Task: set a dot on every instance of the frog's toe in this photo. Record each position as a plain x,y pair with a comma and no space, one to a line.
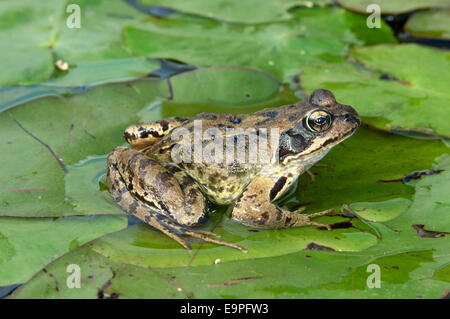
201,234
207,233
325,212
311,223
204,237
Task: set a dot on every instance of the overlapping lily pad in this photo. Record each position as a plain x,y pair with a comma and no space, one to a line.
393,7
82,77
279,48
24,30
430,24
28,244
400,87
236,11
35,37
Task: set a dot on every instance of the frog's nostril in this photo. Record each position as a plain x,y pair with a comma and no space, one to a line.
352,118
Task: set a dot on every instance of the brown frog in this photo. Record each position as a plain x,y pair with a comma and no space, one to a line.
150,181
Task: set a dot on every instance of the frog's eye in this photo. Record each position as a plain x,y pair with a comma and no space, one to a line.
318,121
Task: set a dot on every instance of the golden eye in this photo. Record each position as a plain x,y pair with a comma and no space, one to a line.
318,121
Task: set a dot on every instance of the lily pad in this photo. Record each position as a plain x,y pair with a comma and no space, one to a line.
28,244
24,52
236,11
82,77
430,24
282,49
393,7
400,87
87,74
36,35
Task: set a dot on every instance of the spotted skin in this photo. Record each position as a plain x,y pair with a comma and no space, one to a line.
170,196
140,136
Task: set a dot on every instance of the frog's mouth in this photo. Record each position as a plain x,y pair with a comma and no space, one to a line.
324,145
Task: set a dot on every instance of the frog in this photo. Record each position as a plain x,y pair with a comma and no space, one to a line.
151,183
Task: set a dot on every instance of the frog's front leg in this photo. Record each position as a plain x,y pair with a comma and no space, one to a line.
255,208
167,200
140,136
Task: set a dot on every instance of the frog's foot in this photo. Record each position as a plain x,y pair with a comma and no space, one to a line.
173,230
305,219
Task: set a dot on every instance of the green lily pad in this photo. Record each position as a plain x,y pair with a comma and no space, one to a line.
28,244
237,11
107,71
35,35
24,52
406,90
442,273
282,49
79,79
381,211
430,24
393,7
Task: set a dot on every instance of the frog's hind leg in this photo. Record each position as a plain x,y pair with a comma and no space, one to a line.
169,201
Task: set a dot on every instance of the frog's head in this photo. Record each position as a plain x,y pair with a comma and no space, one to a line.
321,123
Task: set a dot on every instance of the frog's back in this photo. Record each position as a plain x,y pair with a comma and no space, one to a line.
224,178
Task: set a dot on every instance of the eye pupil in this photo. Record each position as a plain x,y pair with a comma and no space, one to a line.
321,120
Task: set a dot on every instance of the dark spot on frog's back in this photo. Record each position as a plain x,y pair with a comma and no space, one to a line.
207,116
270,114
277,187
164,125
292,118
235,120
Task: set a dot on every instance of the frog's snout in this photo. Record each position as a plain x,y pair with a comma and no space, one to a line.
352,117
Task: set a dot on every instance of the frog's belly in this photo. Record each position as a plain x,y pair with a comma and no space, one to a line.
220,189
222,193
